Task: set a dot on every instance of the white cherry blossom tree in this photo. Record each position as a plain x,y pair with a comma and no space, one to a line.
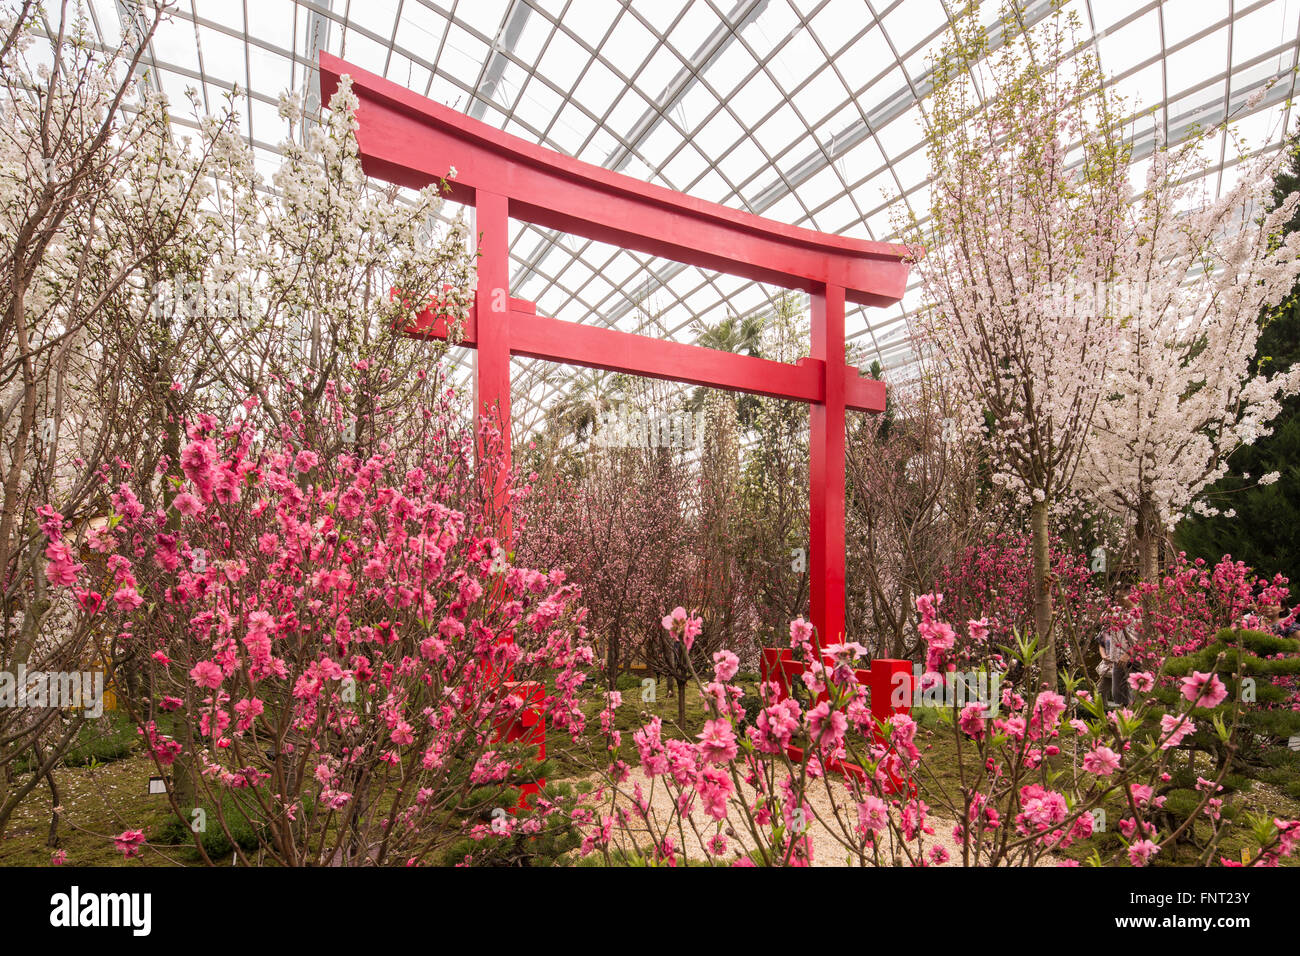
1029,184
1195,272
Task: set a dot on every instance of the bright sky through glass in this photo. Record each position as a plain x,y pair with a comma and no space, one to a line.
803,111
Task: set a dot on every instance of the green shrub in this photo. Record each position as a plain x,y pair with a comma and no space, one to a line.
216,843
751,704
99,741
111,737
558,837
627,681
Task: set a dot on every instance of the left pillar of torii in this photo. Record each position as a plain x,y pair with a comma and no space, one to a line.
491,317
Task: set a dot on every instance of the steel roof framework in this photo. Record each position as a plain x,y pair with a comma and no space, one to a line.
805,111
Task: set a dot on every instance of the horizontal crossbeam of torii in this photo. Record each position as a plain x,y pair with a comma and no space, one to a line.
409,140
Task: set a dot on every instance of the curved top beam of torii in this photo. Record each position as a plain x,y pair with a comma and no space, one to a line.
413,141
410,140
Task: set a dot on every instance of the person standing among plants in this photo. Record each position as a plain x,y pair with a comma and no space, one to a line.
1277,623
1116,648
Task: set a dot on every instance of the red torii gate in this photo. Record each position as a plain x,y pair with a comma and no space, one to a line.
412,141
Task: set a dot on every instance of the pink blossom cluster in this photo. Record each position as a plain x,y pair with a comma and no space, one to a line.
749,795
320,625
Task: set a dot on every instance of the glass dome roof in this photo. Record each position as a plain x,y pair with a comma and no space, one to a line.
805,111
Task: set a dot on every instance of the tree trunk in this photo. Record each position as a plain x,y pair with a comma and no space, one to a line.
184,768
18,448
681,704
56,802
611,661
1147,532
1043,592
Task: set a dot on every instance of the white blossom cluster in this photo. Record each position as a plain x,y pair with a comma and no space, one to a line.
1180,394
1016,211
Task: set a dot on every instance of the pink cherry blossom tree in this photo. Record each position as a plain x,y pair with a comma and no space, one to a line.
336,643
607,527
640,528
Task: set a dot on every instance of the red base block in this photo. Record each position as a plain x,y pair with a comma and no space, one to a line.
889,682
528,726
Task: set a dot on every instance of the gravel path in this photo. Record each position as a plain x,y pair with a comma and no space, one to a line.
827,851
